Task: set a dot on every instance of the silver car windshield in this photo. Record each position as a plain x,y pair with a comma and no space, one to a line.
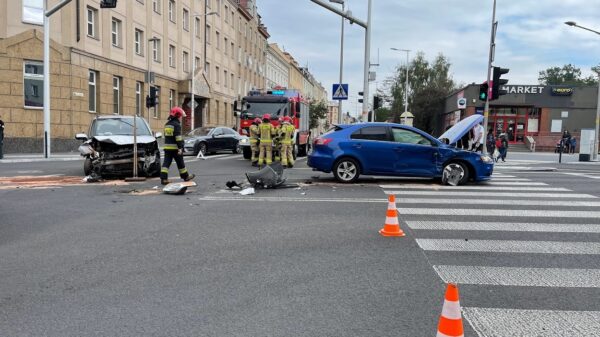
118,127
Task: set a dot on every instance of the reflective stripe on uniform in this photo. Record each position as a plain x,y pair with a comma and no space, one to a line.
179,138
183,170
169,130
164,170
171,147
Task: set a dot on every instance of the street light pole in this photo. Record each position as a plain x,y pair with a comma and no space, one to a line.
486,109
342,2
597,123
406,85
193,78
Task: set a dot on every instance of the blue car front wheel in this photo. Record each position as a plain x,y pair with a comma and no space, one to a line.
346,170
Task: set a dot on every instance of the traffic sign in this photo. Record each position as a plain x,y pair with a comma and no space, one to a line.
340,91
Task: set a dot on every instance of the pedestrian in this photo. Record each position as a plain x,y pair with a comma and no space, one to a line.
573,144
267,131
503,147
566,137
287,134
477,143
174,147
490,142
254,136
1,138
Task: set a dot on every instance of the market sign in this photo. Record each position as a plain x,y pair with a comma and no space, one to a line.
523,89
562,91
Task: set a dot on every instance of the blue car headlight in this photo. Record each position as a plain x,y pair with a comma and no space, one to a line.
487,159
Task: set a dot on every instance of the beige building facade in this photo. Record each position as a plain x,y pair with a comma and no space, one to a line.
100,57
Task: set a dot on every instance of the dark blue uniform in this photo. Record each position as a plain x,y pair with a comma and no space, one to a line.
173,149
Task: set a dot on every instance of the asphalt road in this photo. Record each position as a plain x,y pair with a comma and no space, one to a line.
117,259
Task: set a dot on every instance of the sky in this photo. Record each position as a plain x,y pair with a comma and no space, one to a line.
531,37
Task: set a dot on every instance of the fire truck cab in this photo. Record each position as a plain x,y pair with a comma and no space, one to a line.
277,103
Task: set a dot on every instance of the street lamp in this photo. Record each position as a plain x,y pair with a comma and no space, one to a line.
341,2
193,86
406,86
595,154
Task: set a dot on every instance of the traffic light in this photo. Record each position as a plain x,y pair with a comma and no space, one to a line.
152,99
360,93
108,4
483,91
376,102
497,83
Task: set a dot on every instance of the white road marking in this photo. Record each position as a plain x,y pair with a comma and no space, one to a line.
475,187
509,179
510,246
507,202
489,322
457,194
515,183
288,199
520,277
231,156
504,226
581,175
499,212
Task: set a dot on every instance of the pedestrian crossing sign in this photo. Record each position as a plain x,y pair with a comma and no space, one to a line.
340,91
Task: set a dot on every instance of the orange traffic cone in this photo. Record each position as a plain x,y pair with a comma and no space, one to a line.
391,226
451,320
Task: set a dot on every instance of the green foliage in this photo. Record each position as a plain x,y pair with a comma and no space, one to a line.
318,111
383,114
428,86
567,75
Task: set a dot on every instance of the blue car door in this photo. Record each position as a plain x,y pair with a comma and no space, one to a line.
415,154
374,148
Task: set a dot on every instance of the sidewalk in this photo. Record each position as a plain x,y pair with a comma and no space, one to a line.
39,157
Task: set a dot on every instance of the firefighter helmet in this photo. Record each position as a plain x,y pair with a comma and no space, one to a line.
287,119
177,112
266,116
257,120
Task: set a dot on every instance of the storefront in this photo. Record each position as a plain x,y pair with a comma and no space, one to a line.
528,113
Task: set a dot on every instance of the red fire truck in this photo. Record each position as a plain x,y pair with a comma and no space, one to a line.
278,103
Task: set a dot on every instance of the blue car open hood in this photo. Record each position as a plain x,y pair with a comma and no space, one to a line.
460,129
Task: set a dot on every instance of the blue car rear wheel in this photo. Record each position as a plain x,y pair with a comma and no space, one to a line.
346,170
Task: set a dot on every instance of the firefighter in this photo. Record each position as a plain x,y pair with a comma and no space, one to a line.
286,135
174,147
267,131
254,136
277,141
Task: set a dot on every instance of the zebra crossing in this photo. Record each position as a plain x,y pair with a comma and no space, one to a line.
535,239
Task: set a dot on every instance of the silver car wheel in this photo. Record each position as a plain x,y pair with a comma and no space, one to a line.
346,171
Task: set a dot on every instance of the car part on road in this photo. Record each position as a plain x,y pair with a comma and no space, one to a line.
455,173
346,170
178,188
270,176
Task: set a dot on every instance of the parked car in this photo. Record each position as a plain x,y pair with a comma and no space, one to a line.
108,147
210,140
398,150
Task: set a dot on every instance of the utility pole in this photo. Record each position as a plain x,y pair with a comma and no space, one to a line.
486,109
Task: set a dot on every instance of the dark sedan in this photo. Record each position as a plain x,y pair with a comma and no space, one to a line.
212,139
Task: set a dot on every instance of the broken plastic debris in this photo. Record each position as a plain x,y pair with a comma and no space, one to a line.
248,191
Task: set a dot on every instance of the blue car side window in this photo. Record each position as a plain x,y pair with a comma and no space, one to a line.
371,133
409,137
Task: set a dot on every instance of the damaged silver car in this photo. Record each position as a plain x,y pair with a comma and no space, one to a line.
108,147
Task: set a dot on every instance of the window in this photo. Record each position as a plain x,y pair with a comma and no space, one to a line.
156,6
196,62
218,38
208,34
92,16
218,7
225,78
226,46
116,95
231,82
409,137
171,56
226,13
185,62
171,99
172,10
33,11
372,133
139,42
232,19
197,27
218,74
232,51
207,70
186,19
138,98
33,84
116,32
156,50
93,92
156,112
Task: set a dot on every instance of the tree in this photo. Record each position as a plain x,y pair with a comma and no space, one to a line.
567,75
429,85
383,114
318,111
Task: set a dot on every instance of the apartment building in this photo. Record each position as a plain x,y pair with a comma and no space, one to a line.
278,68
100,58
